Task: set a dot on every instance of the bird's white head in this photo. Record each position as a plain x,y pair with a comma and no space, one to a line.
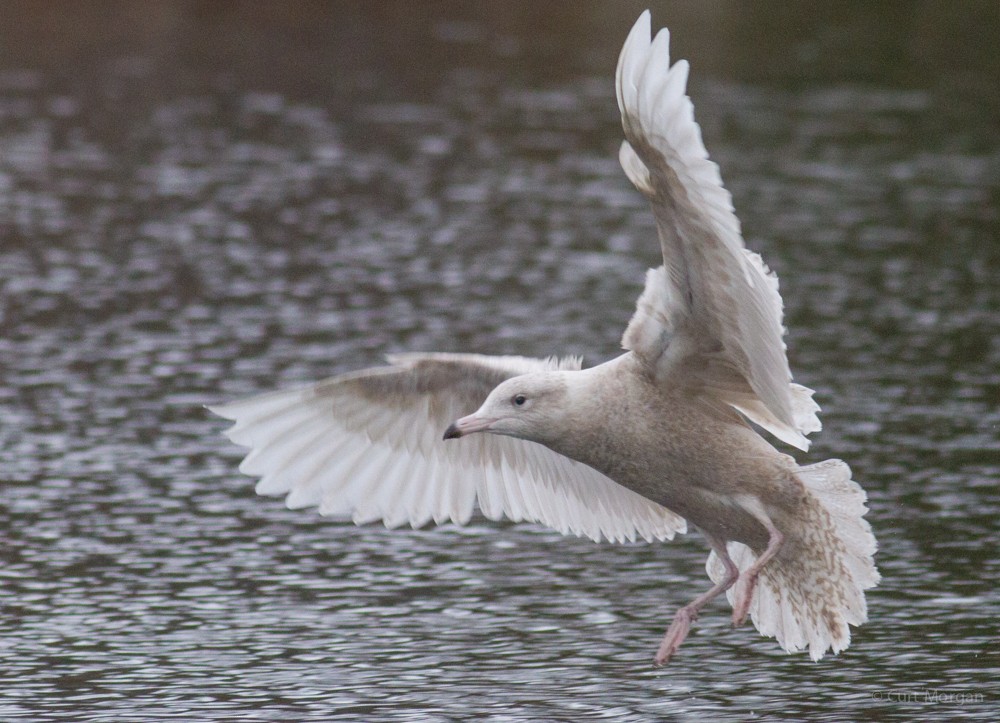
529,407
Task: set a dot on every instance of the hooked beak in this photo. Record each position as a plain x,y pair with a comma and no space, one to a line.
467,425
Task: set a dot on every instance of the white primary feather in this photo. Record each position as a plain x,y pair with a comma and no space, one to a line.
715,297
367,445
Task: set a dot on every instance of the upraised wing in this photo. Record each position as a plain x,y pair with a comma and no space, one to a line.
714,307
369,445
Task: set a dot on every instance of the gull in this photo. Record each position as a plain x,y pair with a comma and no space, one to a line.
637,447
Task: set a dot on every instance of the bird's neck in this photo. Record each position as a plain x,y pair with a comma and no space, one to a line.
584,432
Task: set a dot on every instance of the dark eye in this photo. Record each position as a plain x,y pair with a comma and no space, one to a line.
519,400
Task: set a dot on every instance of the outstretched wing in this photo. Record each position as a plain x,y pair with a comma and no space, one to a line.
369,445
714,307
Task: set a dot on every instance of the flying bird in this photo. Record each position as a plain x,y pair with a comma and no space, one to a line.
637,447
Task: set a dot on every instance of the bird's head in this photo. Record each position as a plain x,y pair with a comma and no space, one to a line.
527,407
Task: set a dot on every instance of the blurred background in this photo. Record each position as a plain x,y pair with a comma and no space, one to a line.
202,200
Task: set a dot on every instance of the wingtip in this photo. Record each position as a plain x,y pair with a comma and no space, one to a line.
645,20
220,410
631,59
639,35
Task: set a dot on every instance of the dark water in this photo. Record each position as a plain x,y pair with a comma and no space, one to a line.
199,201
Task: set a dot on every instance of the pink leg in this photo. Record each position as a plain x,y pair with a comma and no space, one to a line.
683,618
741,606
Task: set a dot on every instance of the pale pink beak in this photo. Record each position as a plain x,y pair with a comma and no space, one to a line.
467,425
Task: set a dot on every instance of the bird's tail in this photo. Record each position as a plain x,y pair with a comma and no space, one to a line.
813,589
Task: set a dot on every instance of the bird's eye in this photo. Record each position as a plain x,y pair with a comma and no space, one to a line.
519,400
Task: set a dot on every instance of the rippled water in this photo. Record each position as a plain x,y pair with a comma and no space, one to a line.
199,202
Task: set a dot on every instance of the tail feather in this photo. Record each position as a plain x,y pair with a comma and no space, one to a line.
813,589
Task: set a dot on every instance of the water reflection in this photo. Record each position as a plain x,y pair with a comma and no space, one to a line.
189,213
